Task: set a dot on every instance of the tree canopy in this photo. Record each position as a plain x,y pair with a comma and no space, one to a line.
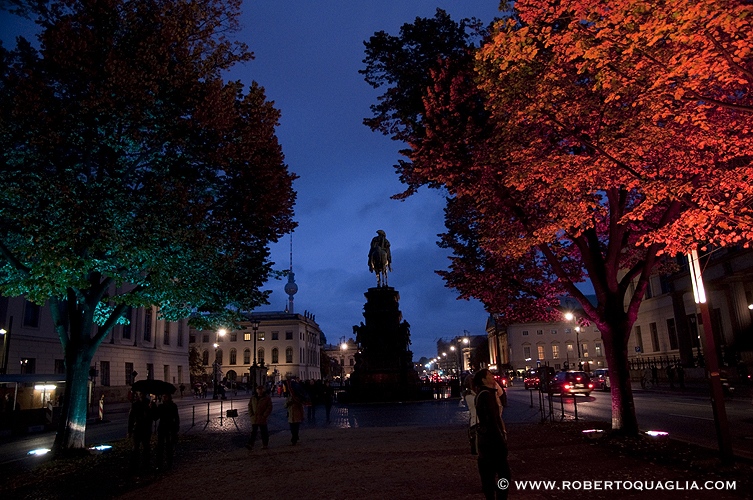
131,173
585,141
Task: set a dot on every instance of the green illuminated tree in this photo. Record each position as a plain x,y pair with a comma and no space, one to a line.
132,174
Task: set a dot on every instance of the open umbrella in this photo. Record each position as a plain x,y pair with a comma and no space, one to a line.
155,387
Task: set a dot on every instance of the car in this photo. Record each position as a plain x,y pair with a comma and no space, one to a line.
600,379
571,383
502,379
531,380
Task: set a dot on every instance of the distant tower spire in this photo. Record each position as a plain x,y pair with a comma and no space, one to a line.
291,288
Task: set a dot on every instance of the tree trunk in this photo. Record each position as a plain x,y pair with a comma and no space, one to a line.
623,407
72,424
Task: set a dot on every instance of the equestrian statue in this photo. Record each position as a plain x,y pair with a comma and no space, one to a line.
380,258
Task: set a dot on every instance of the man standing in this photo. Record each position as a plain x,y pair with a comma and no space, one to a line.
167,431
140,420
492,438
259,409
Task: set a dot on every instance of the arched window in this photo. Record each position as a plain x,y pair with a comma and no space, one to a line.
218,357
289,355
233,356
205,358
275,355
247,356
260,355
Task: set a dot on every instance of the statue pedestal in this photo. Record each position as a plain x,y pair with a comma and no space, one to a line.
384,367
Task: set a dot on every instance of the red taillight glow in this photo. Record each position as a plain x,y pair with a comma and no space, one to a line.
590,386
566,387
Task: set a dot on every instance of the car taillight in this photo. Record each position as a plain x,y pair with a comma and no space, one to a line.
590,386
566,387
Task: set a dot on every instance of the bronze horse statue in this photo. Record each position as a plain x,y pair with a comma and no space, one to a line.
380,258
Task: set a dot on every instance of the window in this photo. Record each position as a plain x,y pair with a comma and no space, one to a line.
166,337
247,356
233,356
180,374
597,349
166,373
649,291
555,352
569,347
233,336
525,332
205,338
540,351
104,373
288,335
260,355
554,331
28,365
352,362
218,356
672,332
59,366
149,371
584,349
181,332
191,338
129,374
289,354
205,358
147,325
275,335
638,339
247,337
654,337
275,355
31,315
260,336
539,332
567,330
127,314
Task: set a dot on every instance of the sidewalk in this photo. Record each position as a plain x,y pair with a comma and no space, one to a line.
420,462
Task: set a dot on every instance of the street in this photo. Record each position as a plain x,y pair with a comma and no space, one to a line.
687,416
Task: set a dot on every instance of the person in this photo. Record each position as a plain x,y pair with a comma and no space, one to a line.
259,409
140,420
294,406
328,396
654,375
681,376
493,466
167,431
645,377
671,376
182,388
469,397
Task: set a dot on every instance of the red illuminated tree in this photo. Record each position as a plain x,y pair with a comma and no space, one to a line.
572,150
132,174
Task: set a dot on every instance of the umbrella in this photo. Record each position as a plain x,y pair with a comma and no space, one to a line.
153,387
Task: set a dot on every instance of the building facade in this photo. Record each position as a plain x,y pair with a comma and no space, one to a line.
148,347
286,344
344,357
668,328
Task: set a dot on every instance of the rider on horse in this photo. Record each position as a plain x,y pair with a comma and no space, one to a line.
380,257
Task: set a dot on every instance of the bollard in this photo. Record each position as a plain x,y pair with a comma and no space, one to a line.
575,406
193,415
531,391
220,413
102,408
207,412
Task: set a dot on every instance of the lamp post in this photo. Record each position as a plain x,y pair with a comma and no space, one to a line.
712,364
6,345
571,317
343,348
220,333
255,328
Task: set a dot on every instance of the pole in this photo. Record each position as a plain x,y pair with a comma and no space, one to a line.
6,345
712,363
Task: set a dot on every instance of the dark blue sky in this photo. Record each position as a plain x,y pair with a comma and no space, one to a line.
308,54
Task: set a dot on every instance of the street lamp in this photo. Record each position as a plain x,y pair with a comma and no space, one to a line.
255,328
220,333
571,317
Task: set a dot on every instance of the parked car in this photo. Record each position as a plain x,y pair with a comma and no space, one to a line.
600,379
571,383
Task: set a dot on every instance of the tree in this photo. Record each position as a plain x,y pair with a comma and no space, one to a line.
196,367
132,174
563,163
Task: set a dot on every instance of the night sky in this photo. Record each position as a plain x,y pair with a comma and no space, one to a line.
307,58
